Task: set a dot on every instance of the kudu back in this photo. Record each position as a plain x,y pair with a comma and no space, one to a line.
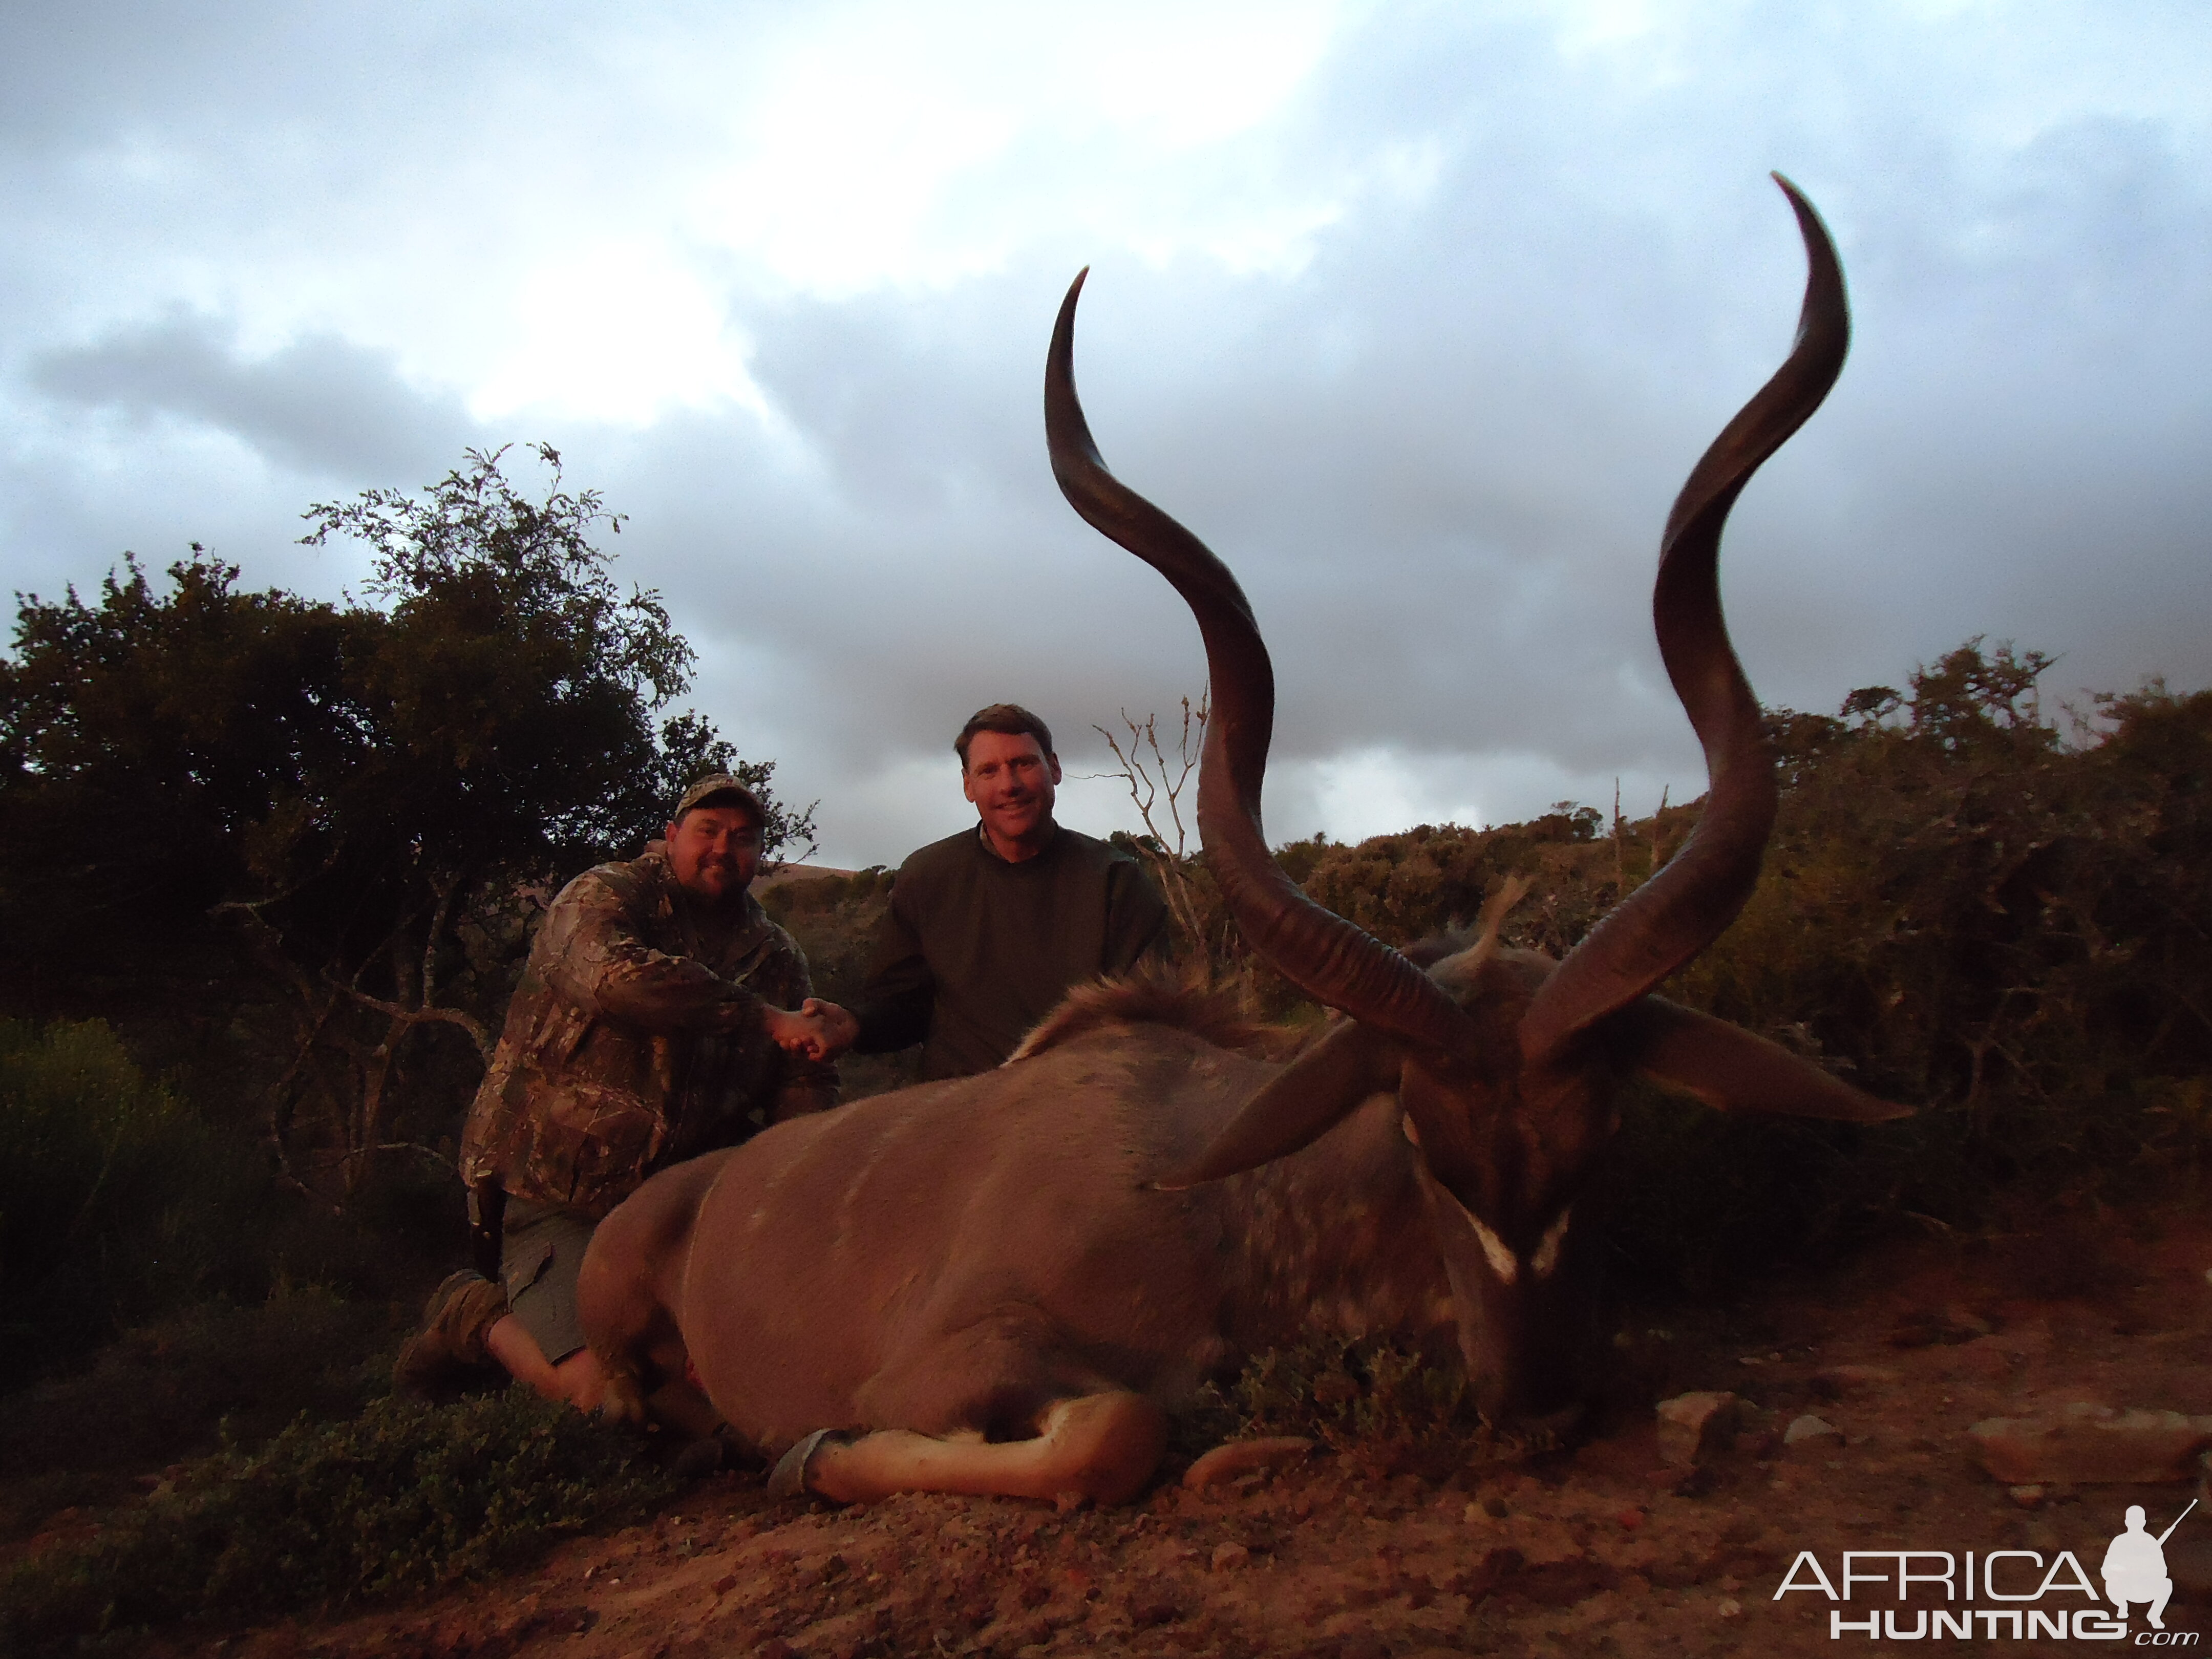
1003,1283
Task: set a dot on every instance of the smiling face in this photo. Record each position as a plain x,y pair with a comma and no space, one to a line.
1010,778
715,852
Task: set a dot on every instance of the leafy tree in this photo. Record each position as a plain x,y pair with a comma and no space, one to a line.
356,801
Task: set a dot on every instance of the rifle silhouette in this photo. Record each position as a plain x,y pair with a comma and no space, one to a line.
2178,1520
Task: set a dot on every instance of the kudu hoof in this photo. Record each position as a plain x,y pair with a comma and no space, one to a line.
621,1399
788,1478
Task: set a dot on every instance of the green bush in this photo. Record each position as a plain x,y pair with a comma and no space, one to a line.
403,1498
1962,909
1385,1402
1343,1391
116,1202
1964,912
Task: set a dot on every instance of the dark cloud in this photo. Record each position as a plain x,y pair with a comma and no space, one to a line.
1443,486
1435,434
319,405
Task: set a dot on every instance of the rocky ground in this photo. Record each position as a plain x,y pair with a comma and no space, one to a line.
1605,1548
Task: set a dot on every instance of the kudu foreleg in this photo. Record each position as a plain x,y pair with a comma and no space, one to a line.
999,1407
628,1290
1098,1447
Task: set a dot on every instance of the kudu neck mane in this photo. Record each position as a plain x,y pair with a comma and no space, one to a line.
1334,1240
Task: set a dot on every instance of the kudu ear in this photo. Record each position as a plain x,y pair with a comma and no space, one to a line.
1309,1097
1731,1070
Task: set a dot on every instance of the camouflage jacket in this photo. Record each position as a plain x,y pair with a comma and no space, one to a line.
635,1040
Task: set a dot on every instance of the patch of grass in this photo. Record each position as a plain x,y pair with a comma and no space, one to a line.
402,1499
1382,1402
175,1388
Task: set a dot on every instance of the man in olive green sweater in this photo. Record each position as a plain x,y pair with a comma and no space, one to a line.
988,929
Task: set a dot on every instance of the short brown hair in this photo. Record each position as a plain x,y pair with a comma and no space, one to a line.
1007,719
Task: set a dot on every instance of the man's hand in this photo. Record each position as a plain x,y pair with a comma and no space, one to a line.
797,1033
819,1030
839,1030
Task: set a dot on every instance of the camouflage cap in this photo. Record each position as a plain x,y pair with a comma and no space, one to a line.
721,789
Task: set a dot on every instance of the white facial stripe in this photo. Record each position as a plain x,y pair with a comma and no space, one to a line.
1493,1248
1547,1258
1544,1261
1495,1251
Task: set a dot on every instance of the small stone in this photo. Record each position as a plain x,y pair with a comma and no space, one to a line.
2027,1496
1226,1556
1809,1427
1731,1608
1693,1427
2087,1445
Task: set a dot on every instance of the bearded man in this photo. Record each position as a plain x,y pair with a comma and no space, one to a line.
654,1022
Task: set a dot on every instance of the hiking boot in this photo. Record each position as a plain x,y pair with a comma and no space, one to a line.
452,1340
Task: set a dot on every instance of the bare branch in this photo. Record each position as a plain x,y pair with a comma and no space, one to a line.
410,1018
1149,775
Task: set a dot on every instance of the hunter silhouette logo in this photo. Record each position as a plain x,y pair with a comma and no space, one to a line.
2135,1566
2010,1594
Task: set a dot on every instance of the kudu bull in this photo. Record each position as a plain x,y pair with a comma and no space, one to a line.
1000,1284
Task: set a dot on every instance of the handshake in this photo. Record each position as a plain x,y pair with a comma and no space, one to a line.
818,1030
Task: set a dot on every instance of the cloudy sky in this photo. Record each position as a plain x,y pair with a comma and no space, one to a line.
1418,314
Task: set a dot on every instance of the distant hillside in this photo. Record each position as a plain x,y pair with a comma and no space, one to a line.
783,873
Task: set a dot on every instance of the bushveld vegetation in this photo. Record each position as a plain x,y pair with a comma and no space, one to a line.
270,867
293,847
117,1201
403,1498
1966,905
